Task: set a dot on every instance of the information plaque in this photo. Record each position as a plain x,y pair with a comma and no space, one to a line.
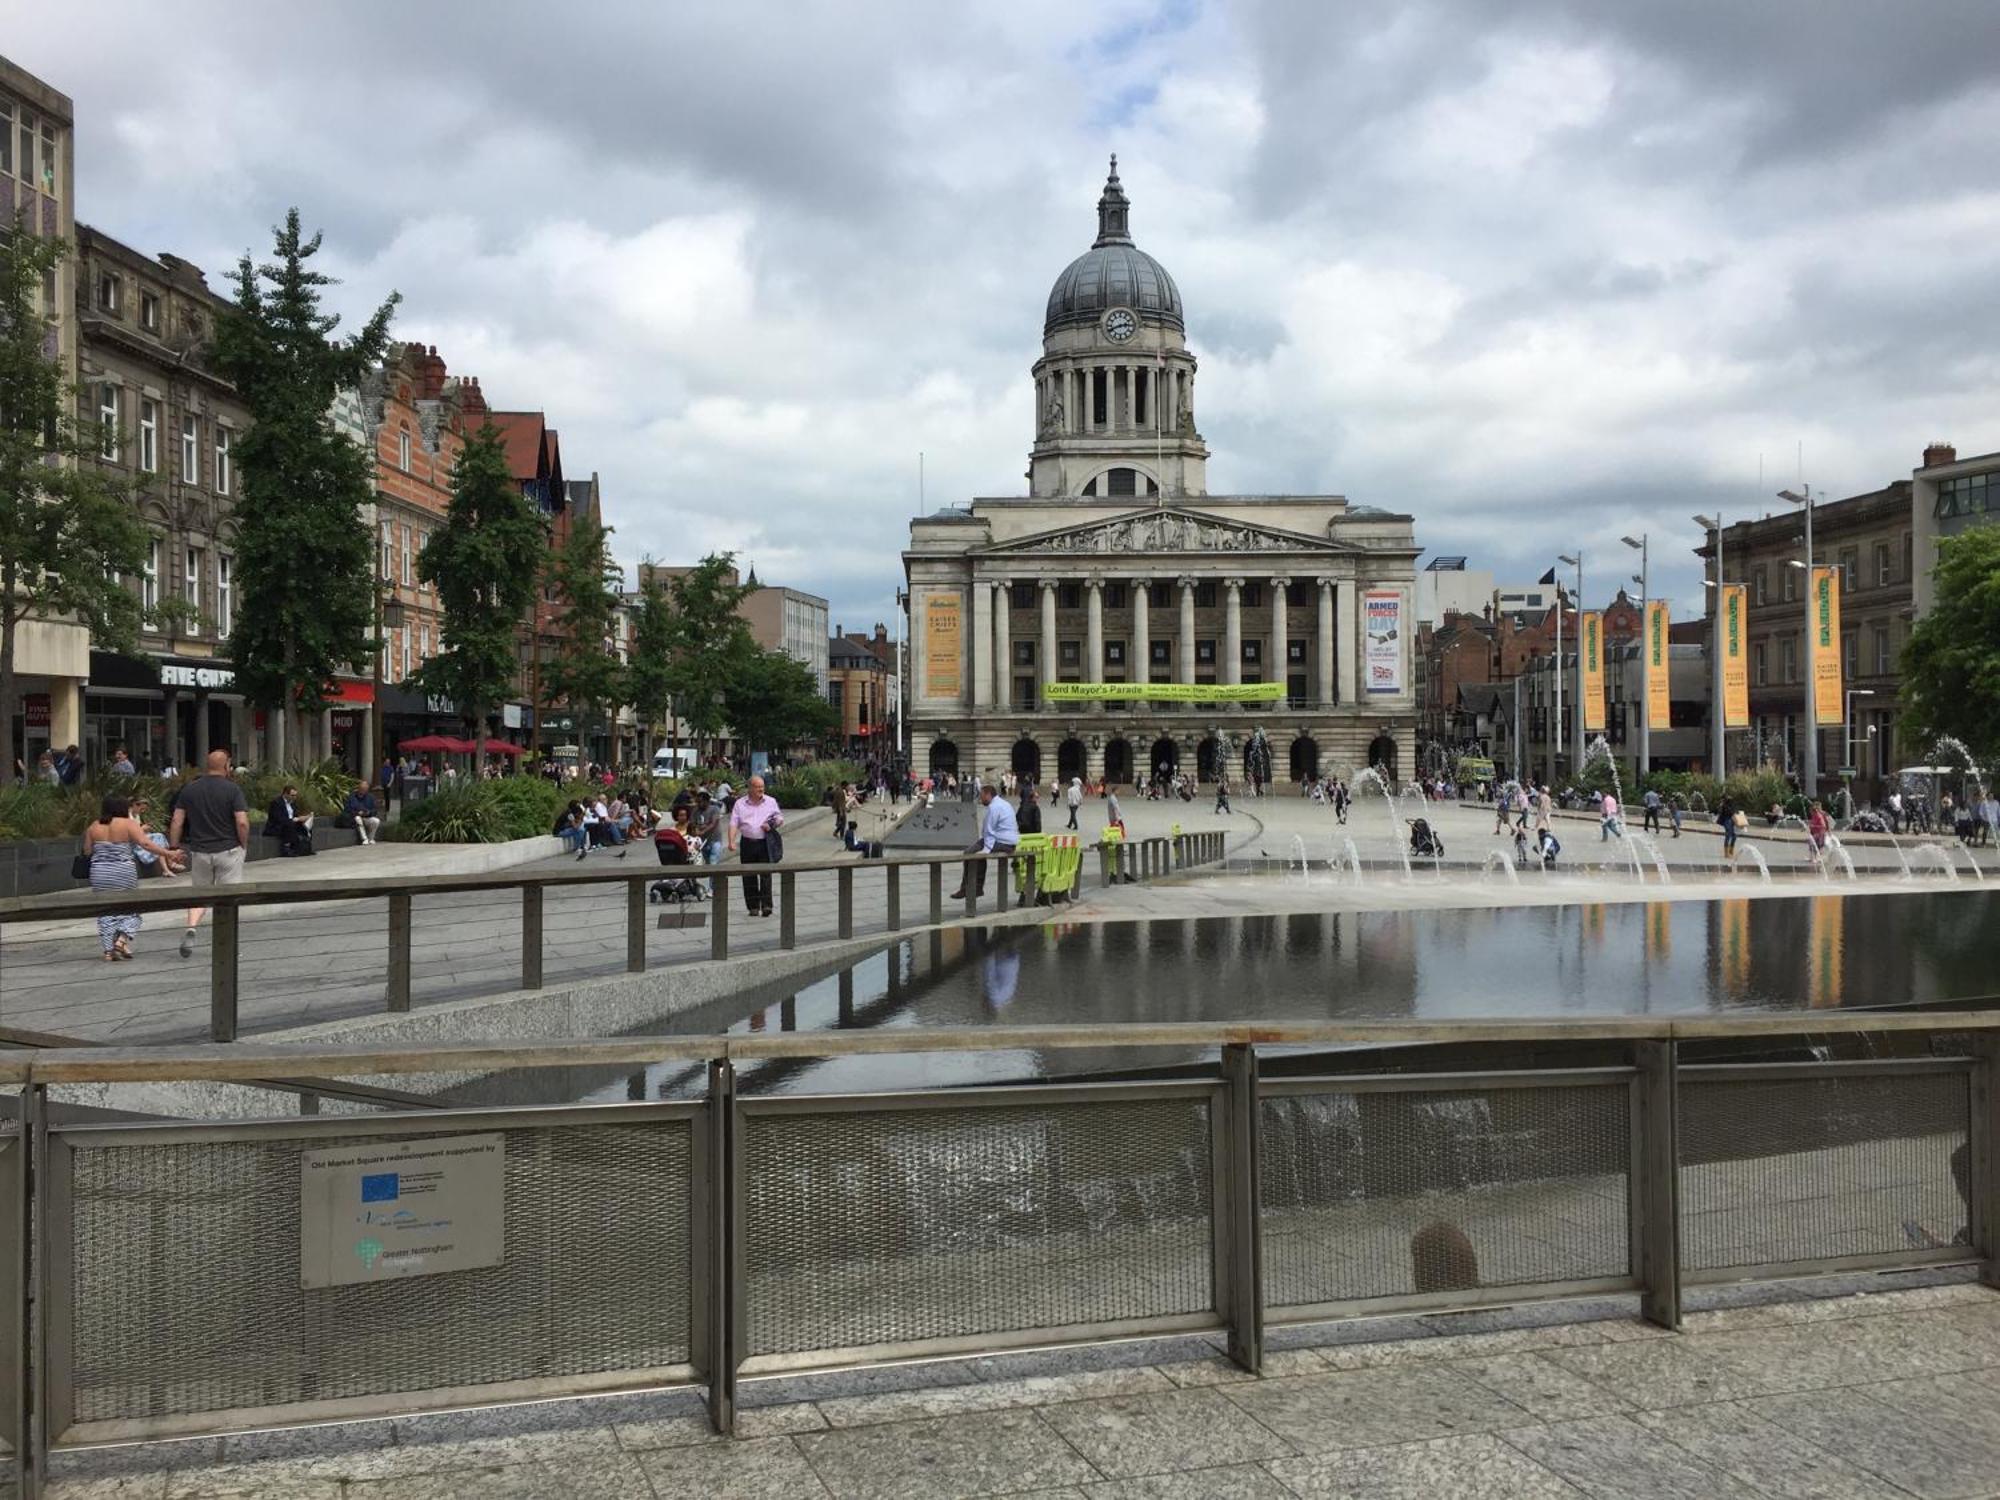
389,1211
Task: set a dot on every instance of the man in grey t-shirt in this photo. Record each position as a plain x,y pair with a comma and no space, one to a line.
211,822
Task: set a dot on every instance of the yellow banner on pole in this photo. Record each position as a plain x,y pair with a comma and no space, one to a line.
944,646
1659,682
1593,670
1169,692
1827,706
1735,659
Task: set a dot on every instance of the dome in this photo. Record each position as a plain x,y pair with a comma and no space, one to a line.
1113,272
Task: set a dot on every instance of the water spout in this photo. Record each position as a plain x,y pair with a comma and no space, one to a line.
1756,858
1504,860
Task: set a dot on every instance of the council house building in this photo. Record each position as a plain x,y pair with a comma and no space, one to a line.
1118,567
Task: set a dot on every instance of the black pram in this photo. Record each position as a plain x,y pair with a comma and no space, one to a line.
673,850
1424,841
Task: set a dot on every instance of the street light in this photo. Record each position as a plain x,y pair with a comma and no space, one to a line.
388,616
1576,738
1809,780
1645,654
1718,767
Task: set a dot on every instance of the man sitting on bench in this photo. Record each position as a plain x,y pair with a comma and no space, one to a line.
283,823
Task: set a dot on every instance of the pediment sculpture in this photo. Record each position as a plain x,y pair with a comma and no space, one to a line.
1169,531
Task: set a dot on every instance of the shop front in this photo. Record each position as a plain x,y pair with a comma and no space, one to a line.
166,710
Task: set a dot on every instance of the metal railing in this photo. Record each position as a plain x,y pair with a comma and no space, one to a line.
812,901
702,1242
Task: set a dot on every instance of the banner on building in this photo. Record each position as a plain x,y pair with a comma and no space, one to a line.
1735,659
1383,657
1826,646
944,646
1592,656
1659,681
1169,692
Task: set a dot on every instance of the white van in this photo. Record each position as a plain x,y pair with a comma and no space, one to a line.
669,761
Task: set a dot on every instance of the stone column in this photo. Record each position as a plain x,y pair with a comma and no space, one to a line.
1345,641
1045,653
1003,645
1139,665
1232,630
982,646
1074,377
1323,642
1186,649
201,745
1275,665
1093,641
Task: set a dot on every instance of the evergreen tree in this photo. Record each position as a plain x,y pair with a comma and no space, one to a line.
1951,666
587,674
304,557
710,642
484,562
67,532
649,675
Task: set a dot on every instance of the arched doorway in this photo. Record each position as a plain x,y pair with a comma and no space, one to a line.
1257,759
1027,760
1118,762
1070,759
1207,758
1382,754
1166,758
1304,759
944,758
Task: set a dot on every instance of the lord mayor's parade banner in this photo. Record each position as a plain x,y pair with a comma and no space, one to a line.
1659,682
1827,707
1169,692
1735,659
1592,629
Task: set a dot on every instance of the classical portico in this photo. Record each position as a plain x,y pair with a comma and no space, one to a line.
1117,567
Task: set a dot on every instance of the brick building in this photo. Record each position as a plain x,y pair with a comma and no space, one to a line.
858,673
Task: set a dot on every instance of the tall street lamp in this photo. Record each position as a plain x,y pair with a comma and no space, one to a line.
1645,656
1716,760
1809,780
388,616
1556,676
1576,735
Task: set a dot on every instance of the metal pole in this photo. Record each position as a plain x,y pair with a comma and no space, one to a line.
1238,1202
1810,765
1718,766
1645,657
1656,1194
1576,735
1556,723
724,1342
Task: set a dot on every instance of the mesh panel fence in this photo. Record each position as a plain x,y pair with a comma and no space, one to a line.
13,1260
1381,1194
186,1275
1776,1171
890,1226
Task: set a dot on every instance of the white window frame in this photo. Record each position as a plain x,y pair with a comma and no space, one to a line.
191,571
388,550
225,602
149,579
406,557
403,450
149,435
190,449
222,474
149,311
6,138
107,418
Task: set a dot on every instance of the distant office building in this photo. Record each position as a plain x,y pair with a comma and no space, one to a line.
1446,586
1948,494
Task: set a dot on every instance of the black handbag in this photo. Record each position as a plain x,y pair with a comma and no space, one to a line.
79,867
774,846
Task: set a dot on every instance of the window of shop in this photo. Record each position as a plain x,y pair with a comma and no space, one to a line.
225,601
221,459
190,450
149,436
149,581
107,418
139,724
191,572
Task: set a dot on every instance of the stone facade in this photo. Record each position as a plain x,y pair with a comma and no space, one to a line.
171,428
1119,567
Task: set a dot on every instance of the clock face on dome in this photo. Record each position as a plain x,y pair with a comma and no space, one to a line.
1120,325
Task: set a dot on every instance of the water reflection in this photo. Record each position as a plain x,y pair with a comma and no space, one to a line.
1574,961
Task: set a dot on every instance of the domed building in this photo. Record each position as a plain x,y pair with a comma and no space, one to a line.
1280,626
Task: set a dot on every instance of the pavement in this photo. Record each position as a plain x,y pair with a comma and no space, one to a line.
1850,1388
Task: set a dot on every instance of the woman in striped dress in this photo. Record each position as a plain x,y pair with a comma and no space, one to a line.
110,843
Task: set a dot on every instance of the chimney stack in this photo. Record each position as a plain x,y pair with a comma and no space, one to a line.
1939,453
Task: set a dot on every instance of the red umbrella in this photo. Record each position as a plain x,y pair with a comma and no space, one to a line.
456,747
428,743
506,747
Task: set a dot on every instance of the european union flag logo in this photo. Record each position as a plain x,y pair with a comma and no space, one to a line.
380,1187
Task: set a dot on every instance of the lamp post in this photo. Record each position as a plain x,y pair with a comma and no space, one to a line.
388,616
1576,734
1645,655
1556,676
1718,768
1809,777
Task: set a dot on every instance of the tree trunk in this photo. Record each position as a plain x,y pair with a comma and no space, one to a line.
8,694
478,741
274,732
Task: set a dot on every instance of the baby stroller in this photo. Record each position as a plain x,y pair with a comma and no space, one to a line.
1424,841
673,850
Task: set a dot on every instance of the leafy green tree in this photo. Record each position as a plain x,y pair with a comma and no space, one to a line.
483,562
1951,666
587,675
649,675
67,532
710,640
304,557
773,701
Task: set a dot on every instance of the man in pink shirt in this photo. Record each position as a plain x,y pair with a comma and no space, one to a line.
751,822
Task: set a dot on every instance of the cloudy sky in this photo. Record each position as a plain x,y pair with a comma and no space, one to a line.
1539,274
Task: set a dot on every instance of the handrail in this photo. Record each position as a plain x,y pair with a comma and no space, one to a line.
249,1059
